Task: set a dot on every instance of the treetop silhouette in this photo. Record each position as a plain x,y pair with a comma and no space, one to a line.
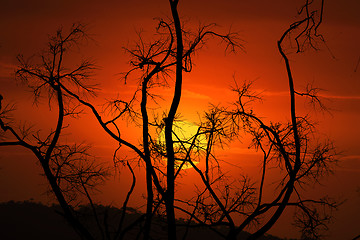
221,201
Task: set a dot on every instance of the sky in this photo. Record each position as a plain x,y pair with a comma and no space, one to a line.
26,25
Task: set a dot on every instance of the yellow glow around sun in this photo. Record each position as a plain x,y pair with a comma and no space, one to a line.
185,137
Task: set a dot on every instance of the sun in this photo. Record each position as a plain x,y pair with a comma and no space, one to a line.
187,136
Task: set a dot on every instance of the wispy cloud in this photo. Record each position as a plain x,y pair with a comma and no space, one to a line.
272,93
245,151
353,97
353,170
191,94
351,157
6,69
327,96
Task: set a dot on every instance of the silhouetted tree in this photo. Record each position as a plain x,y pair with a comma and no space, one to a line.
233,202
71,171
292,146
155,61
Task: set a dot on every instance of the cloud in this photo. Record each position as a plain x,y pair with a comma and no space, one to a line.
190,94
351,157
6,70
352,170
242,151
354,97
272,93
326,96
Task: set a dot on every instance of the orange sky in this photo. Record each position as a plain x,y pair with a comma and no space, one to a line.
25,26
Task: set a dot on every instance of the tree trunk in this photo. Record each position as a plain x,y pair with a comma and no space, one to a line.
147,158
170,192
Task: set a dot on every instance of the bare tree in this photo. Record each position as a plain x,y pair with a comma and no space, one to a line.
45,78
155,61
292,146
73,174
233,203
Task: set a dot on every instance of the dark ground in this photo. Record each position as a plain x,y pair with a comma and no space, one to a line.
30,220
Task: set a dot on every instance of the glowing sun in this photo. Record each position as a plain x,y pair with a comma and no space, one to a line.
188,144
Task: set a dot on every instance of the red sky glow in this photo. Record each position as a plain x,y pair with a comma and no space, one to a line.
26,25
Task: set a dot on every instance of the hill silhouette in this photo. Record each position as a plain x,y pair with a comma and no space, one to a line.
30,220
